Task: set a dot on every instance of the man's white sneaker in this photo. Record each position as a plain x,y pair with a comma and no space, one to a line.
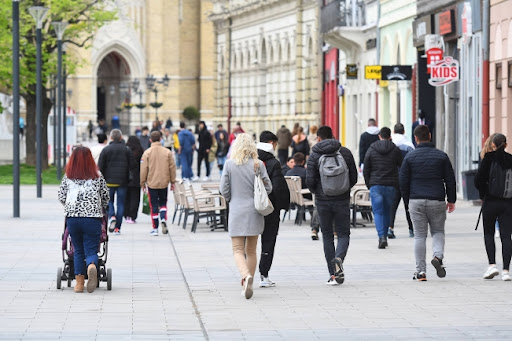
247,283
491,272
194,178
506,276
154,232
332,281
266,282
206,178
163,225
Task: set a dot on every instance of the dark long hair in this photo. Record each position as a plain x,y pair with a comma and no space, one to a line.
81,165
134,144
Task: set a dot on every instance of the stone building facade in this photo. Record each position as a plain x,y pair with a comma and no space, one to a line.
150,37
267,63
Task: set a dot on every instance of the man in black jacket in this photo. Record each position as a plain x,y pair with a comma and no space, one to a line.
205,143
380,172
280,198
331,208
426,181
115,163
367,138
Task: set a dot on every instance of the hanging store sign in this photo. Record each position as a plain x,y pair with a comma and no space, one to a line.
444,72
433,56
351,70
396,73
372,71
467,23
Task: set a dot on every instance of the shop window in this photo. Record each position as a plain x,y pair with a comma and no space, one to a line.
498,77
510,74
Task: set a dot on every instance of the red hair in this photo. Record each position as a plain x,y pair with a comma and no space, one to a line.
81,165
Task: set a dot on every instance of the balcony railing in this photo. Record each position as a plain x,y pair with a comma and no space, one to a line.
339,13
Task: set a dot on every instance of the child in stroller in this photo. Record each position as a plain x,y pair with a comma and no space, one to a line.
67,273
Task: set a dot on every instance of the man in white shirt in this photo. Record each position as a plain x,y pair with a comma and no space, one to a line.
96,150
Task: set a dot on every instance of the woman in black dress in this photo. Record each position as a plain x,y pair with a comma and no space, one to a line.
132,200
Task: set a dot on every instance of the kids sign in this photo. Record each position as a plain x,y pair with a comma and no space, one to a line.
444,71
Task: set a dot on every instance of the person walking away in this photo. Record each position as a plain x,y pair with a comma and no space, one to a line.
280,198
495,192
245,223
405,146
115,163
284,141
168,123
290,163
176,148
213,149
426,181
132,201
157,170
102,143
90,128
22,127
222,151
84,194
300,143
380,172
186,151
331,172
144,138
312,136
422,120
116,124
367,138
205,143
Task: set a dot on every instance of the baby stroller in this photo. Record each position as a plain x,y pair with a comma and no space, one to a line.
68,274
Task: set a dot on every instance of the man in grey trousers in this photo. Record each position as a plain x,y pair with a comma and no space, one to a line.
426,181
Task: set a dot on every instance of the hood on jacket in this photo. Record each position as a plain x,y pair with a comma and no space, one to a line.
328,146
266,147
400,140
283,130
383,146
265,156
373,130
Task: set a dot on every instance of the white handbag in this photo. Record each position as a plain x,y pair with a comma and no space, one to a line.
261,201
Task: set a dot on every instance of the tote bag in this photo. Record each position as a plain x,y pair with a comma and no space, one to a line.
145,203
261,201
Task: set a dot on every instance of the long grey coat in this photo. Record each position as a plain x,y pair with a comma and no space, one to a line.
237,186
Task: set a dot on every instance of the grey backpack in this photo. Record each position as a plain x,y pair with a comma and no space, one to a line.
334,175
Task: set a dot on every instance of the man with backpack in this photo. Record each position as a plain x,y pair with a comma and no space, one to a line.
331,172
280,198
426,181
380,172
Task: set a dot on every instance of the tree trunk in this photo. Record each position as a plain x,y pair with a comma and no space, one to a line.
30,135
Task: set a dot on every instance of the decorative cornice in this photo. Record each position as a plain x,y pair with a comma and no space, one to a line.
223,10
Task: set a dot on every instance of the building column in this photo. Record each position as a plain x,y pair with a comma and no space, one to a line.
405,104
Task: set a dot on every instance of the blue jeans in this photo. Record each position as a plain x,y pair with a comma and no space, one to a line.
382,198
221,160
177,157
85,235
335,212
186,164
121,196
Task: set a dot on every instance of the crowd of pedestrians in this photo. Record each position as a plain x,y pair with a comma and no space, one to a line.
111,176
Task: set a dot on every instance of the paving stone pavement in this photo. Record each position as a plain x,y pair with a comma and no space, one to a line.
185,286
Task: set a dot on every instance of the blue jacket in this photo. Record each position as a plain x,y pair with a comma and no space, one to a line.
427,173
187,141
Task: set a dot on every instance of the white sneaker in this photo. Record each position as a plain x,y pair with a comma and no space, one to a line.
266,282
154,232
247,291
506,276
194,178
332,281
492,272
163,226
206,178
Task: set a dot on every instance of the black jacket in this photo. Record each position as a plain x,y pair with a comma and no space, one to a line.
365,142
313,182
280,195
504,159
381,164
427,173
116,162
285,169
134,179
205,140
144,141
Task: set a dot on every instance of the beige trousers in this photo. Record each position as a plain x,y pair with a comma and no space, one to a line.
244,251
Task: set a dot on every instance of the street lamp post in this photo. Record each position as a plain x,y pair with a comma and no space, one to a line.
38,13
140,105
152,84
59,28
65,113
16,106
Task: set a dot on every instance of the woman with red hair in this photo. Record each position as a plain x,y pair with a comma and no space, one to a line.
84,194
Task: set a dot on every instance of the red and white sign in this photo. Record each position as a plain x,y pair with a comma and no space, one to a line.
434,55
444,72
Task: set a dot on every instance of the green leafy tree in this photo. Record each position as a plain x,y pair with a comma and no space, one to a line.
191,113
85,17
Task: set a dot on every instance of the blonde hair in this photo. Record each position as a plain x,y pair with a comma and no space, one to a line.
313,129
244,148
487,146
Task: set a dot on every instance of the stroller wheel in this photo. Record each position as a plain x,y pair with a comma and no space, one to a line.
59,278
109,279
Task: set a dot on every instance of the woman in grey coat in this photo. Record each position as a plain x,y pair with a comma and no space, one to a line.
245,223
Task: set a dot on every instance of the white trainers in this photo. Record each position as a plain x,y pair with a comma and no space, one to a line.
332,281
266,282
154,232
194,178
506,276
247,291
206,178
492,272
163,226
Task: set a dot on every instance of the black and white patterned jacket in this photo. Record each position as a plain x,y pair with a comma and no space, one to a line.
84,198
